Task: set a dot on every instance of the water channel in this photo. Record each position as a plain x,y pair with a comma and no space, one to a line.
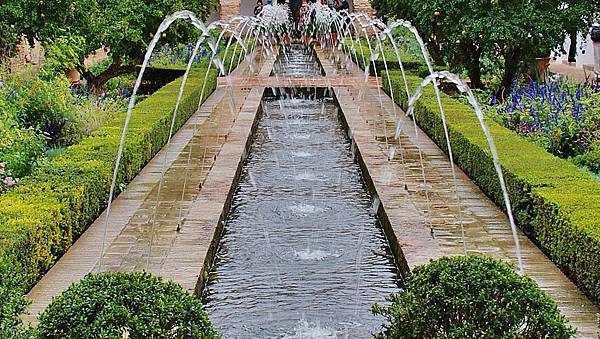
302,254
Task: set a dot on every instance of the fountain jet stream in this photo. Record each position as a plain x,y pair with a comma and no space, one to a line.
169,20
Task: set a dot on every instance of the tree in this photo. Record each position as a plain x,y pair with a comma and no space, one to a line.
581,14
123,27
514,32
471,297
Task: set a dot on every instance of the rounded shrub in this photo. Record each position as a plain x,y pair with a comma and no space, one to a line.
591,161
111,305
471,297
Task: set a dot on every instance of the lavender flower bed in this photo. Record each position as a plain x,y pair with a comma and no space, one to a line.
180,55
561,117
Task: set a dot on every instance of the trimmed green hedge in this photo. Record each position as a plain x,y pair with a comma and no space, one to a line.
409,61
554,202
49,209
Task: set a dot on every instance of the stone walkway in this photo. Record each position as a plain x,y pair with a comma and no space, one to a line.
573,73
425,218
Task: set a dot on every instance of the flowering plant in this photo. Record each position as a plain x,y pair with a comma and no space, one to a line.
6,178
561,117
180,54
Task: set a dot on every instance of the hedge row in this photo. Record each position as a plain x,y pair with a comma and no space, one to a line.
49,209
554,202
409,61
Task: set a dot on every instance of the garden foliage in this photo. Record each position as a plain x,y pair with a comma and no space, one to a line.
554,202
49,209
45,106
177,56
123,27
19,149
471,297
512,33
359,52
562,118
111,305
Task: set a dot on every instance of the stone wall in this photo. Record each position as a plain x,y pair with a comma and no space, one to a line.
363,6
230,8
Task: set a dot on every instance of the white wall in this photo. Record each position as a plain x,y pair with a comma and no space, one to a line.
585,51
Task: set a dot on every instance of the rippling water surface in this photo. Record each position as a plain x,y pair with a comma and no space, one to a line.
297,61
302,255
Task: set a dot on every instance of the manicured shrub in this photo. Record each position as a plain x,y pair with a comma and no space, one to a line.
13,303
361,54
471,297
111,304
554,202
41,217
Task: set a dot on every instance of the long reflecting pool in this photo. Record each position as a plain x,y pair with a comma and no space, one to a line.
302,254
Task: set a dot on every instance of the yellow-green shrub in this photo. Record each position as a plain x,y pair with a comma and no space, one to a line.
554,202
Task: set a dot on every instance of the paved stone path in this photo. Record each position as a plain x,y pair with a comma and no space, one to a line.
216,138
413,213
201,154
573,73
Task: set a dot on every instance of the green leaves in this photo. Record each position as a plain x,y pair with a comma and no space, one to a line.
124,27
63,53
464,32
140,304
471,297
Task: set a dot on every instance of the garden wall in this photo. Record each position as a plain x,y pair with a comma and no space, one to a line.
40,219
554,202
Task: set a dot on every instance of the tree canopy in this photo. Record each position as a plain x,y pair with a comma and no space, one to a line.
9,37
511,32
123,27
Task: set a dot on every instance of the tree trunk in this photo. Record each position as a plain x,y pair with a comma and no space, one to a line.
474,68
573,46
114,70
435,53
511,66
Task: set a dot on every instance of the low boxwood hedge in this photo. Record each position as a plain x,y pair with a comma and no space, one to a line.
49,209
409,61
554,202
133,305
